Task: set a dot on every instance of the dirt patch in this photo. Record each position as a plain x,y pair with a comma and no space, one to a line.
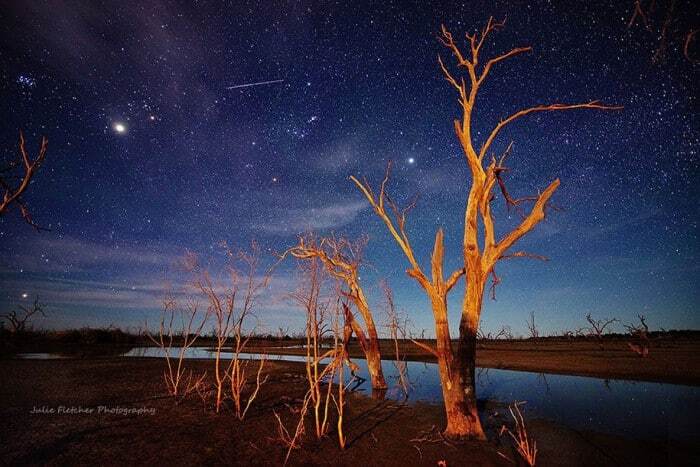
139,426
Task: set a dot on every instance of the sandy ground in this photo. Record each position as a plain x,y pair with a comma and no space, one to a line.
379,432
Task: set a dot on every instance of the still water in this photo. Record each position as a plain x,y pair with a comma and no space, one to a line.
634,409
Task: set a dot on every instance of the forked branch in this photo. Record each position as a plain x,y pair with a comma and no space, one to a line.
397,225
535,217
13,191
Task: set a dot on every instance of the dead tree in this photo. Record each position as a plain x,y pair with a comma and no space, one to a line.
503,333
457,365
342,260
15,178
640,333
597,328
534,332
18,320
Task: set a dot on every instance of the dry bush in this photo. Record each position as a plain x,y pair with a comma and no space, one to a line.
639,332
504,333
323,324
525,446
232,305
597,328
187,324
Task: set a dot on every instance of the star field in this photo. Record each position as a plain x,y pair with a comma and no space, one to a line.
152,154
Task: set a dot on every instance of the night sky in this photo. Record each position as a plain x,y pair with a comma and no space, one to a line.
151,154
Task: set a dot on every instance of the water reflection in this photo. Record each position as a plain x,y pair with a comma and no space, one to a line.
40,356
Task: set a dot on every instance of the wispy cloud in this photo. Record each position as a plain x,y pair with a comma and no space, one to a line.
297,220
337,156
46,254
129,297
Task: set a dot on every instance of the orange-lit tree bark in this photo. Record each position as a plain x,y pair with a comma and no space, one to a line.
341,259
480,255
14,185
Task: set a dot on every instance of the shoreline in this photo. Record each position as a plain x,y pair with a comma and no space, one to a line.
676,362
142,426
671,361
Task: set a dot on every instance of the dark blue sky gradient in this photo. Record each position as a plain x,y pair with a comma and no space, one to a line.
199,163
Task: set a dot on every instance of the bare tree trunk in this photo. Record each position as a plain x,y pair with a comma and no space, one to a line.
457,376
371,347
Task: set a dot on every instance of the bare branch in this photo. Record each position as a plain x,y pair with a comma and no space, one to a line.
500,58
524,254
426,347
689,38
535,217
452,280
13,194
18,322
532,326
540,108
399,233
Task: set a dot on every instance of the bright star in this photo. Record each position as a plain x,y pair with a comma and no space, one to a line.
411,160
120,128
25,295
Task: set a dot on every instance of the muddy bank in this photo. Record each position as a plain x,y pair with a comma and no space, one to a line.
139,426
674,361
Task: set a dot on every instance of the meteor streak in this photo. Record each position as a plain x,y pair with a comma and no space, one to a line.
259,83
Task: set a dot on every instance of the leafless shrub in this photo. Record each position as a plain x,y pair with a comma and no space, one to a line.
231,306
504,333
342,260
525,446
190,323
